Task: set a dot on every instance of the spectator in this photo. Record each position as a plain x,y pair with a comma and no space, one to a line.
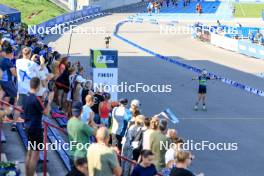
183,161
134,108
79,133
104,109
98,98
77,89
33,111
150,7
62,83
139,139
173,150
80,168
119,114
72,80
102,160
88,114
154,124
26,69
8,73
146,166
156,138
129,144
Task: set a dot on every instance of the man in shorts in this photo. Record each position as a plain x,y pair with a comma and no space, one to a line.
202,89
33,111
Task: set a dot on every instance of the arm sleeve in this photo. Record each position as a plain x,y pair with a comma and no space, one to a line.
135,172
112,160
88,130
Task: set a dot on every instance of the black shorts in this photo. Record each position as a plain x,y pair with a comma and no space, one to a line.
35,137
9,88
202,90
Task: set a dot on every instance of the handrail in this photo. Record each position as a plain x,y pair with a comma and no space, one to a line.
46,126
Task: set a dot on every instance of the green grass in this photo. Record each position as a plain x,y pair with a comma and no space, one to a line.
46,10
248,10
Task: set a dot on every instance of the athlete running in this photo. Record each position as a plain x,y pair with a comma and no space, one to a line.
202,88
107,41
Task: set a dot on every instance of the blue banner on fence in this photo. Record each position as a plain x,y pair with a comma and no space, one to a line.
251,49
69,17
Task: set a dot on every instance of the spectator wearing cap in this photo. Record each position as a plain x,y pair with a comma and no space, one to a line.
156,139
134,108
119,114
129,144
105,109
77,89
102,160
79,133
183,161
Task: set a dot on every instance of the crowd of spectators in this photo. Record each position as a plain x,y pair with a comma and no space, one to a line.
36,79
156,5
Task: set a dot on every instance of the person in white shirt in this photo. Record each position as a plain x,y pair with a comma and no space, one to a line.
26,69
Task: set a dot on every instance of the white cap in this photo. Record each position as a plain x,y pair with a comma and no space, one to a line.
80,79
135,103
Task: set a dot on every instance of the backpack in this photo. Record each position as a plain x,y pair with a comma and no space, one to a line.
137,143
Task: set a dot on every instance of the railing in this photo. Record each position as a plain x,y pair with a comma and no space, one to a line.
48,125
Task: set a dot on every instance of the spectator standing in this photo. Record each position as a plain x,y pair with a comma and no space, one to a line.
104,109
98,98
156,139
80,168
183,161
8,73
102,160
33,111
146,166
77,90
79,133
154,124
26,69
88,114
119,114
129,144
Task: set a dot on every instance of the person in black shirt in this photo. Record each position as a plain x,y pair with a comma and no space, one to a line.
80,168
183,161
98,98
33,111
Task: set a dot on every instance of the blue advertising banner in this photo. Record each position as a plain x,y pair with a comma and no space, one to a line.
251,49
68,17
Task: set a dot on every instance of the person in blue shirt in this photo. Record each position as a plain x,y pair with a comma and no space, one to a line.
146,166
9,72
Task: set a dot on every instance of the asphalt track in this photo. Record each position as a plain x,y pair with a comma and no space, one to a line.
233,115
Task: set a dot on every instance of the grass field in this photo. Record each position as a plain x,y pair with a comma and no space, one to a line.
34,11
248,10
